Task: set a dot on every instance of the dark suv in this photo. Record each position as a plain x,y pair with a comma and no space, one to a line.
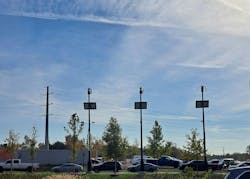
169,161
197,165
107,166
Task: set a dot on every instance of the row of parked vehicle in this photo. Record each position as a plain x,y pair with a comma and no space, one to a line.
239,170
214,164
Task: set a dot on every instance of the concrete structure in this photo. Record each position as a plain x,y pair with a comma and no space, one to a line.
53,157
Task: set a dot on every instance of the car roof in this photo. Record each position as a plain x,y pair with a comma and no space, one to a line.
247,171
240,168
228,159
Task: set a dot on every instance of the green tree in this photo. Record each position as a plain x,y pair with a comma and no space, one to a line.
30,143
25,144
113,139
133,149
58,146
41,146
12,144
155,145
193,149
124,148
169,148
97,148
75,127
33,142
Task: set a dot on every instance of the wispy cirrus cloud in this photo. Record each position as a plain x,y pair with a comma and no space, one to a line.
231,16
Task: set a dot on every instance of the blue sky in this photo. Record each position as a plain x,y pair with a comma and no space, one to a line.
170,48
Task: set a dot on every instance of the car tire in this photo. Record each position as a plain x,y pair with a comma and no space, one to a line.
151,170
30,169
1,169
96,170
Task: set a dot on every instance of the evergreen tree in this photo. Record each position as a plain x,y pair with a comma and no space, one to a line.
155,145
113,139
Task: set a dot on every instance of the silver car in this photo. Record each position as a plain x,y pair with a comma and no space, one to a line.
67,168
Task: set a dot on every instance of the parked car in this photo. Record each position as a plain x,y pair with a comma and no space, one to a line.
16,164
215,164
241,164
227,162
137,158
108,166
169,161
197,165
93,161
149,167
68,167
233,173
151,160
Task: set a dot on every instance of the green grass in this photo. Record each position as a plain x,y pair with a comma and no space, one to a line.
157,176
43,175
22,175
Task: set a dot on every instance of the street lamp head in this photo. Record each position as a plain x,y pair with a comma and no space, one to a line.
89,90
141,90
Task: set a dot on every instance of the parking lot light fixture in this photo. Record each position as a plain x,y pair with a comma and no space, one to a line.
88,106
141,105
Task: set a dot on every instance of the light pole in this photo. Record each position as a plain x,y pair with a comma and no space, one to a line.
89,160
203,104
141,105
204,133
88,106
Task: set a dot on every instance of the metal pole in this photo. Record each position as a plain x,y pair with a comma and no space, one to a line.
204,133
47,121
89,146
142,162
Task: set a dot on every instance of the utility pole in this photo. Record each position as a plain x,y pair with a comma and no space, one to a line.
47,121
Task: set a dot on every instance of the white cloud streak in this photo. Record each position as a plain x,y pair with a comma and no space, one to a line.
230,17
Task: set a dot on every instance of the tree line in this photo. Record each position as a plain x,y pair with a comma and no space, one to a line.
112,145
